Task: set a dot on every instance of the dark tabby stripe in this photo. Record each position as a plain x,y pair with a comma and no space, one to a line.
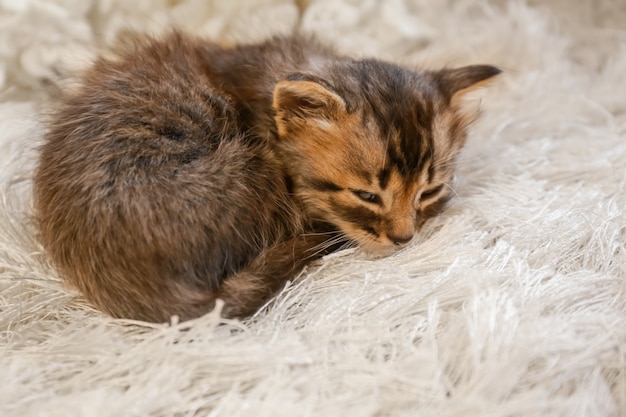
324,185
435,207
370,230
363,217
383,178
396,158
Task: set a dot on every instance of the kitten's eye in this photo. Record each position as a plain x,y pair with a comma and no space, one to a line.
431,193
367,197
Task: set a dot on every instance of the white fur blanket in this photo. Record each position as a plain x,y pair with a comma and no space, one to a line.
511,303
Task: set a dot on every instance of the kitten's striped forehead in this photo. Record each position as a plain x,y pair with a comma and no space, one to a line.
416,127
419,154
406,130
400,106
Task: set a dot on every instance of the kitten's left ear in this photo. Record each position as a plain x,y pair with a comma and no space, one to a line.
458,81
301,99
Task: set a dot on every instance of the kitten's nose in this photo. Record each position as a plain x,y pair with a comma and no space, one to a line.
400,239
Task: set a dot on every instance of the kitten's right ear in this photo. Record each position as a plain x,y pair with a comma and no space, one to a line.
298,101
458,81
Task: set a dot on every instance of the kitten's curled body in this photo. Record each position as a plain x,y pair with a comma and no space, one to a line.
181,171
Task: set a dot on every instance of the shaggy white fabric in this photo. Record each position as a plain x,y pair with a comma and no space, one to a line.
512,303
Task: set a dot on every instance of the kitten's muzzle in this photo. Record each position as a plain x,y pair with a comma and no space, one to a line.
400,240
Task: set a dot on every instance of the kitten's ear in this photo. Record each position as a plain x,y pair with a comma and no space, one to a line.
297,100
458,81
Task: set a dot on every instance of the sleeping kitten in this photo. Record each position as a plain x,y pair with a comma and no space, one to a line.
181,171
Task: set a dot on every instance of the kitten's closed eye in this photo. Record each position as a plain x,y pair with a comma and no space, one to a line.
428,194
367,196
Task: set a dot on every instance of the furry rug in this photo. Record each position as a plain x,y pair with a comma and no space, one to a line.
511,303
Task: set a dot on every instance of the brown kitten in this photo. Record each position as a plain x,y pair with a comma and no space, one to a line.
180,171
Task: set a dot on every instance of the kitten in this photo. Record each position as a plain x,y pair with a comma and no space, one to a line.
181,171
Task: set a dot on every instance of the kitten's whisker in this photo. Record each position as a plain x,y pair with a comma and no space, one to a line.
331,232
348,245
453,160
327,244
449,160
451,188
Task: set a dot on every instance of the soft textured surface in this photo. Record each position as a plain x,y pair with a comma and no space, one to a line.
512,303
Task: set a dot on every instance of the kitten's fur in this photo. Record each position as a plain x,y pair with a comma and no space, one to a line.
181,171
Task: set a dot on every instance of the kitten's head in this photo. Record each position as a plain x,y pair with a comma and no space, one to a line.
371,146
